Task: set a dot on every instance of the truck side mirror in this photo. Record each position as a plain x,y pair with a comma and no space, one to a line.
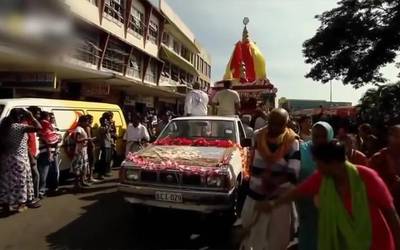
247,142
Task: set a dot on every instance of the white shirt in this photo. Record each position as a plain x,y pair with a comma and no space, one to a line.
196,103
80,147
226,100
136,134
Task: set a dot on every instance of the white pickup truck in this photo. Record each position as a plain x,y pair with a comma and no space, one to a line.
197,164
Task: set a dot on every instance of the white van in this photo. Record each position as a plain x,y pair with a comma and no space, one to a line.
67,114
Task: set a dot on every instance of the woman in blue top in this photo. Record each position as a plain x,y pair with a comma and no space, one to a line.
322,133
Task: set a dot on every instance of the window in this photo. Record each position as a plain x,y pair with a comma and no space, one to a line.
201,65
190,78
166,39
176,47
198,62
135,65
208,129
209,71
166,70
136,21
153,32
114,56
174,73
88,48
66,118
242,133
114,9
185,53
151,75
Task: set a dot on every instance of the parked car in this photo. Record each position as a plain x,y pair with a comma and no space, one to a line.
66,115
197,164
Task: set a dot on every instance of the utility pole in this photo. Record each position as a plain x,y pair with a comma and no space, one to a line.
330,92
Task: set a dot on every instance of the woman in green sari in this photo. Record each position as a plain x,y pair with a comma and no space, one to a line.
322,133
356,210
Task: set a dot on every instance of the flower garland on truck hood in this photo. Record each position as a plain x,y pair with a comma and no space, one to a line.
193,163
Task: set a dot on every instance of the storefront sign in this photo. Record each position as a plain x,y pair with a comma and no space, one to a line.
95,89
37,80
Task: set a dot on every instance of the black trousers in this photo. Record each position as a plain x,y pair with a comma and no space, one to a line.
104,165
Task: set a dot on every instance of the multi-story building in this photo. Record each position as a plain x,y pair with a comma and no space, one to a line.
186,61
118,55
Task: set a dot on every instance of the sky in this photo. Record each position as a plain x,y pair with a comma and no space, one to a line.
279,27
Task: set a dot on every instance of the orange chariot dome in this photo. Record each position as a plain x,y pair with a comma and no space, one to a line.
247,63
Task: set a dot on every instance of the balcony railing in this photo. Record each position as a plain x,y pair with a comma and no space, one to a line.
133,72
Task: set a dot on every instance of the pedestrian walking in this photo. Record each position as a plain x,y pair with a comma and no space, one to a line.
136,134
356,209
16,183
106,143
387,163
322,133
196,102
80,162
275,168
228,101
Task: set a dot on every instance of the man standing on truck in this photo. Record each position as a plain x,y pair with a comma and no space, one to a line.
196,102
228,101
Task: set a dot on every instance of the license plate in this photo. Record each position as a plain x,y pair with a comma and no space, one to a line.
171,197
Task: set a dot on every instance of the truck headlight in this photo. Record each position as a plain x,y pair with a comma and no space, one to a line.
132,175
215,181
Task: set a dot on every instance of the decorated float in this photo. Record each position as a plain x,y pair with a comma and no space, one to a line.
197,164
247,71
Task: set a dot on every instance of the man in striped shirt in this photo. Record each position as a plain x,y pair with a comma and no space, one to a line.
275,168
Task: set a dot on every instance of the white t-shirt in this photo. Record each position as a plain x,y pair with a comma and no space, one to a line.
226,100
80,134
137,134
196,103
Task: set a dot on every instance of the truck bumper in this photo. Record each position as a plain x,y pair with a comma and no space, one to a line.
192,200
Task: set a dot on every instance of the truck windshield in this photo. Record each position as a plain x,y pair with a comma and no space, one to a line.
208,129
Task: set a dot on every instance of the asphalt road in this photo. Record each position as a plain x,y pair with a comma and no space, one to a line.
100,219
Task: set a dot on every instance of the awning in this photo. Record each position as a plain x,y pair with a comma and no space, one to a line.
176,59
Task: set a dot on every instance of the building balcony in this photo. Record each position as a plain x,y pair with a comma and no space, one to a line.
132,72
166,81
174,58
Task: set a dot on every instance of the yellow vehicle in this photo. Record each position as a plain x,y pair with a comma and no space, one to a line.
67,114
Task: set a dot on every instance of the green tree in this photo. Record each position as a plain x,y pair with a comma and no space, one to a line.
381,106
354,41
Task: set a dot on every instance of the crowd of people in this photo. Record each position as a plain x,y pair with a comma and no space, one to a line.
344,186
30,155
